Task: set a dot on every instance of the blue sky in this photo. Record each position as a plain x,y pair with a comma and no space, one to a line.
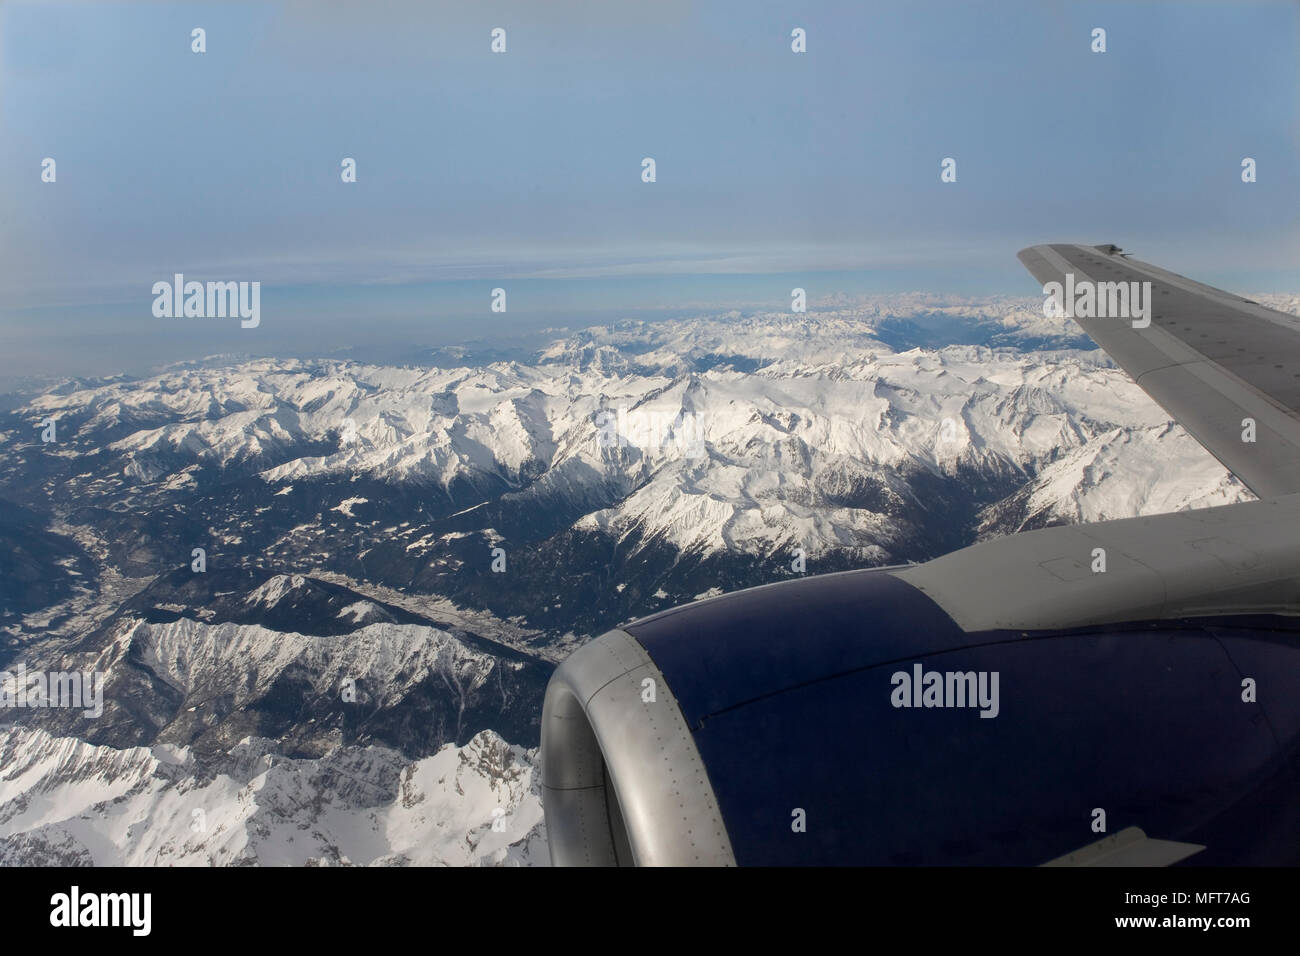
478,169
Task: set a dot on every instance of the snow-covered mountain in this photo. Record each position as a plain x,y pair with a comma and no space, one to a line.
232,543
674,444
64,802
205,660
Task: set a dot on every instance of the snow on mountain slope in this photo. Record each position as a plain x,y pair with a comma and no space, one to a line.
275,589
780,440
1122,474
65,802
207,685
742,433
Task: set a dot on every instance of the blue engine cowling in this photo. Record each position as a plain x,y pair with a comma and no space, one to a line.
846,719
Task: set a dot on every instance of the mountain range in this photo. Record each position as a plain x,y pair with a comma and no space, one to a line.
325,595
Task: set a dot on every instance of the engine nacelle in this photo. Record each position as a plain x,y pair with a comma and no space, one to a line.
848,719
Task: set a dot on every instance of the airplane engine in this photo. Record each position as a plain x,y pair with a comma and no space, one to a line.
849,719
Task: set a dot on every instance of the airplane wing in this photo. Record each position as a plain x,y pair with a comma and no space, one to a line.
1211,359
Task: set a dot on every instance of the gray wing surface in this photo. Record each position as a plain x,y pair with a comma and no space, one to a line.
1211,359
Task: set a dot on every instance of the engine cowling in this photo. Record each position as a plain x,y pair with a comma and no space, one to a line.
849,719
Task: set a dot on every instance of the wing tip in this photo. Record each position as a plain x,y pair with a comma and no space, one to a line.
1029,253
